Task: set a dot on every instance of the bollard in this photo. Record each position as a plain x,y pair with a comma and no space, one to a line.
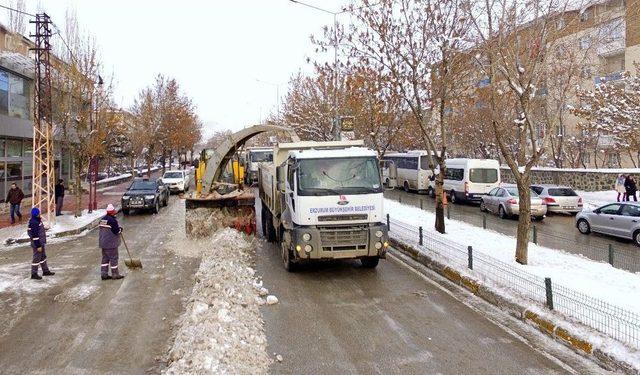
611,254
470,252
448,212
399,198
547,285
484,221
388,223
421,206
420,234
535,235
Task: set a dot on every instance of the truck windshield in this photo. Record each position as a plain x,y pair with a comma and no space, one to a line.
261,156
334,176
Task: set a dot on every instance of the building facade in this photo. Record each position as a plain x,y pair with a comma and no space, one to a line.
16,116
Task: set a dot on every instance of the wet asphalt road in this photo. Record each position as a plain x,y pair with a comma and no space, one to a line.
75,323
338,318
556,231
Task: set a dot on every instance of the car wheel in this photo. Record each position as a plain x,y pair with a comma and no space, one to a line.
539,218
156,208
454,200
483,207
406,186
636,237
502,213
432,192
584,227
369,262
125,211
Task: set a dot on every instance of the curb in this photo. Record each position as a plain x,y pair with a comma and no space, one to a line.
548,327
66,233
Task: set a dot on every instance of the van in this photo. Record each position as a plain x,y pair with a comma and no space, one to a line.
470,179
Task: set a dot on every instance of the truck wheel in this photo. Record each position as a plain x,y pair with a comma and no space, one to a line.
286,258
369,262
263,221
270,230
453,199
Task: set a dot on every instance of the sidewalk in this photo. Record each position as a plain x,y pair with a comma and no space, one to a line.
66,224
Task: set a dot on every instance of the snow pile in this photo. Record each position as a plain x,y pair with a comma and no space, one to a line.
221,331
63,223
76,294
598,280
595,199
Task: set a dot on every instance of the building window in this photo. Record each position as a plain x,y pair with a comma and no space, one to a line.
613,160
14,148
14,95
14,173
18,97
28,148
585,42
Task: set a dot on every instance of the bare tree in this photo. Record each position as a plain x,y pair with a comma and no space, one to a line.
17,17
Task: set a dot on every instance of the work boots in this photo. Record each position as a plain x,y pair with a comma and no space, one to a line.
35,276
105,277
48,273
117,277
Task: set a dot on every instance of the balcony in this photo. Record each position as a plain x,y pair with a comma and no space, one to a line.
611,47
608,78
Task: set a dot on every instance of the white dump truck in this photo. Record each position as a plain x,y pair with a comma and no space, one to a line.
323,200
254,156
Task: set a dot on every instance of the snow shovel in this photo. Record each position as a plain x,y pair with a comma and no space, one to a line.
131,262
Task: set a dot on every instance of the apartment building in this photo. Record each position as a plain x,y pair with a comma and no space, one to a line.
16,116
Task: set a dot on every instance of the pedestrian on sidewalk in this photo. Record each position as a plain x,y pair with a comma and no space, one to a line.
631,188
59,196
619,185
15,197
38,236
109,241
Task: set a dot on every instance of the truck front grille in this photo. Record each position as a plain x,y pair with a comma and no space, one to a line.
344,238
326,218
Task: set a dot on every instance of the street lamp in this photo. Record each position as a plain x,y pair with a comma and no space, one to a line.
335,129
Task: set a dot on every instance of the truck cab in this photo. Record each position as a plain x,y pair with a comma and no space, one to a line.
324,201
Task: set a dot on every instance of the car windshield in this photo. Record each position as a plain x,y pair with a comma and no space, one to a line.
173,175
483,175
143,185
336,176
562,192
261,156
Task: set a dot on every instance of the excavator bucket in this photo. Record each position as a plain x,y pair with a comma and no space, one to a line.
221,201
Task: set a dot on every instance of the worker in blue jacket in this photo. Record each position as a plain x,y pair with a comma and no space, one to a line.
38,237
109,240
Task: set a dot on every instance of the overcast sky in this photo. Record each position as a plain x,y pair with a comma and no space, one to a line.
217,49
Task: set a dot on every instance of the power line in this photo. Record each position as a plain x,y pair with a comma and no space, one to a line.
17,10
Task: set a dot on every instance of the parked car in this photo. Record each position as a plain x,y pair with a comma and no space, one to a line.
144,194
176,180
560,199
504,201
615,219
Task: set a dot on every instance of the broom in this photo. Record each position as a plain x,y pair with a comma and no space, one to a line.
131,262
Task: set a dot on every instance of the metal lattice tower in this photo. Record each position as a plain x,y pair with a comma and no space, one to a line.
43,170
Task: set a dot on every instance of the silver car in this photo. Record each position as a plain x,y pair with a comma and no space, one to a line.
560,199
615,219
504,201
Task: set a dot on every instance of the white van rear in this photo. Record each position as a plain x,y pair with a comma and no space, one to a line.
470,179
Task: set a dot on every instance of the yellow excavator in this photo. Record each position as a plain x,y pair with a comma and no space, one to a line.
221,199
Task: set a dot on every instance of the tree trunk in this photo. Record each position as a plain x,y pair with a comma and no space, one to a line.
524,218
149,161
133,167
78,189
164,161
440,224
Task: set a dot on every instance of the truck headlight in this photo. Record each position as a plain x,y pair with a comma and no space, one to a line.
308,249
378,245
149,197
125,197
306,237
379,233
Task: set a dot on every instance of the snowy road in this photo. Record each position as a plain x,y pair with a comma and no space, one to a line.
75,323
337,318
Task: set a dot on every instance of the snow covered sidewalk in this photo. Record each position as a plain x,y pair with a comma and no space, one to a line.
222,331
66,225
